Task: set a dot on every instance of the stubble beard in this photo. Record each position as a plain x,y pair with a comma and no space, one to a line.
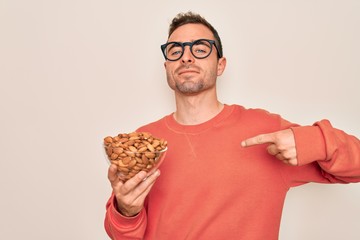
190,87
187,86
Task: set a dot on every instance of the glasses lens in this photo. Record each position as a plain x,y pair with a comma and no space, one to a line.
201,48
173,51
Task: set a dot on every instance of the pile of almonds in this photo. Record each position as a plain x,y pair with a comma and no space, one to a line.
134,152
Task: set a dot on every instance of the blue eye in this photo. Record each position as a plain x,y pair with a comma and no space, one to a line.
175,53
201,48
200,51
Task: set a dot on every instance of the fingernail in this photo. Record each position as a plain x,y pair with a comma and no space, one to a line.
243,144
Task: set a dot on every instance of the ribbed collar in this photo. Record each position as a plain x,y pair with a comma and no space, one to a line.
173,125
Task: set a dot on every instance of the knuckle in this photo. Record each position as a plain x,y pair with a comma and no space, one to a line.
272,149
293,161
288,154
281,147
259,138
280,156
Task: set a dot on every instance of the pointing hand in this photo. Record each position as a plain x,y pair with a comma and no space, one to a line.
281,144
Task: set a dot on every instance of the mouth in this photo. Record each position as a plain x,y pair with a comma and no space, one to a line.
188,71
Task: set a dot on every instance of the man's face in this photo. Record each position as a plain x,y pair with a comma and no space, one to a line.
190,75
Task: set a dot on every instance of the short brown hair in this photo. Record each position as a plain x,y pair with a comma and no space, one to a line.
185,18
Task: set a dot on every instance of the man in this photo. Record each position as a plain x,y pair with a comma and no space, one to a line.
227,169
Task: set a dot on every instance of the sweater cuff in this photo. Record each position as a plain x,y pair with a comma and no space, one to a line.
310,144
121,220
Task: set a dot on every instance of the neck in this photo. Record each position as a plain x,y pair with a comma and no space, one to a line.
192,110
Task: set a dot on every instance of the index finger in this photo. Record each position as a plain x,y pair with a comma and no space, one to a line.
259,139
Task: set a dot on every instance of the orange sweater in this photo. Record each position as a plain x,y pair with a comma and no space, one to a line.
211,188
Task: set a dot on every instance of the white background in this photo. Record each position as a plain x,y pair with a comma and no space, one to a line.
75,71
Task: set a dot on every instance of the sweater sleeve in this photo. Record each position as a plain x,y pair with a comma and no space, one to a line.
337,153
118,226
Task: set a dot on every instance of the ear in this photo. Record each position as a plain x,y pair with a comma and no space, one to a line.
221,66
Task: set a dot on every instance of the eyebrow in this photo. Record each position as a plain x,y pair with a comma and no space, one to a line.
174,45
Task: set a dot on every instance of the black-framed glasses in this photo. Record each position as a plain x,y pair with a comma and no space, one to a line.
200,49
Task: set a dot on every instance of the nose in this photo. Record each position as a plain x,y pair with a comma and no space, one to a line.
187,57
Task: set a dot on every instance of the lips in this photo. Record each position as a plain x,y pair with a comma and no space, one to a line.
187,70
